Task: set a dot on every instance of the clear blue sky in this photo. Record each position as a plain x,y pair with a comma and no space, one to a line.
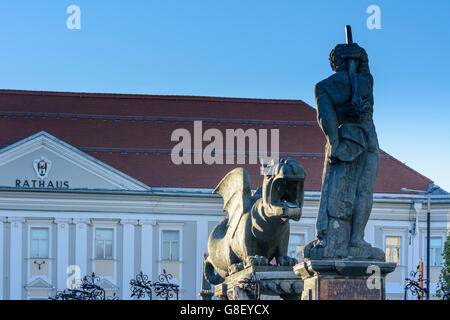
262,49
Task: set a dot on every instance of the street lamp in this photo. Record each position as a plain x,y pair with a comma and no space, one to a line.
430,189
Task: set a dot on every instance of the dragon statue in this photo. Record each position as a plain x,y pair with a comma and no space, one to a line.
255,228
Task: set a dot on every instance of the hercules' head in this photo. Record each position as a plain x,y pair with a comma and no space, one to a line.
339,63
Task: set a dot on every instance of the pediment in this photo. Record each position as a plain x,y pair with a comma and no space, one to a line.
38,283
107,285
44,161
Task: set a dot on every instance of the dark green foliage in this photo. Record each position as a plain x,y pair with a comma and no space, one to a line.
443,290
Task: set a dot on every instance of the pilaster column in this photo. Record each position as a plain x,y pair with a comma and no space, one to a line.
2,252
128,256
81,244
415,257
202,248
413,246
62,252
147,247
16,259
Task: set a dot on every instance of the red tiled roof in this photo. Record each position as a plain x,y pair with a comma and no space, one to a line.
132,133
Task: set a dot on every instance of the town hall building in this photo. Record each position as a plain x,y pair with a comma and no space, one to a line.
88,184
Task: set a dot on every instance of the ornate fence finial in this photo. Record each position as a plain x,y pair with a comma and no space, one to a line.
141,286
415,285
164,288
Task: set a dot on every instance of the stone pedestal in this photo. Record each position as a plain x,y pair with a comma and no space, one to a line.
343,279
254,281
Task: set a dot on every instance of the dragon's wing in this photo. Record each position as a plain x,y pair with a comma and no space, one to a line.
236,193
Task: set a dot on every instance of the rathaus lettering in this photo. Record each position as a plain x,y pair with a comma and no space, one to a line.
58,184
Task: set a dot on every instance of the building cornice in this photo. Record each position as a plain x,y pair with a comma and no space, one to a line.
207,193
15,219
129,221
62,220
81,221
146,222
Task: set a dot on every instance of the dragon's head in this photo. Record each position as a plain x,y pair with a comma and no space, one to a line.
282,189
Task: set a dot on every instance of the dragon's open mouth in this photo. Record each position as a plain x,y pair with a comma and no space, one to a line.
287,193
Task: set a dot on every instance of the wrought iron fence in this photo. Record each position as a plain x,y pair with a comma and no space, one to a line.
142,287
413,284
88,289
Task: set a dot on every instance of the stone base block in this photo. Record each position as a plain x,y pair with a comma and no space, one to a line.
343,279
255,281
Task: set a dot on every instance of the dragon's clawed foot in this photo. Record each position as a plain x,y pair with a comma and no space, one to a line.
236,267
286,261
256,261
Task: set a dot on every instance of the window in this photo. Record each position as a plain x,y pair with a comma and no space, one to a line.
39,243
296,245
393,245
170,245
104,243
435,251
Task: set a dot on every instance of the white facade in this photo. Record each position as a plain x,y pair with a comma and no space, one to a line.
109,223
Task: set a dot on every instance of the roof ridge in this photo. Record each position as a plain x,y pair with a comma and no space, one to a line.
150,118
151,96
